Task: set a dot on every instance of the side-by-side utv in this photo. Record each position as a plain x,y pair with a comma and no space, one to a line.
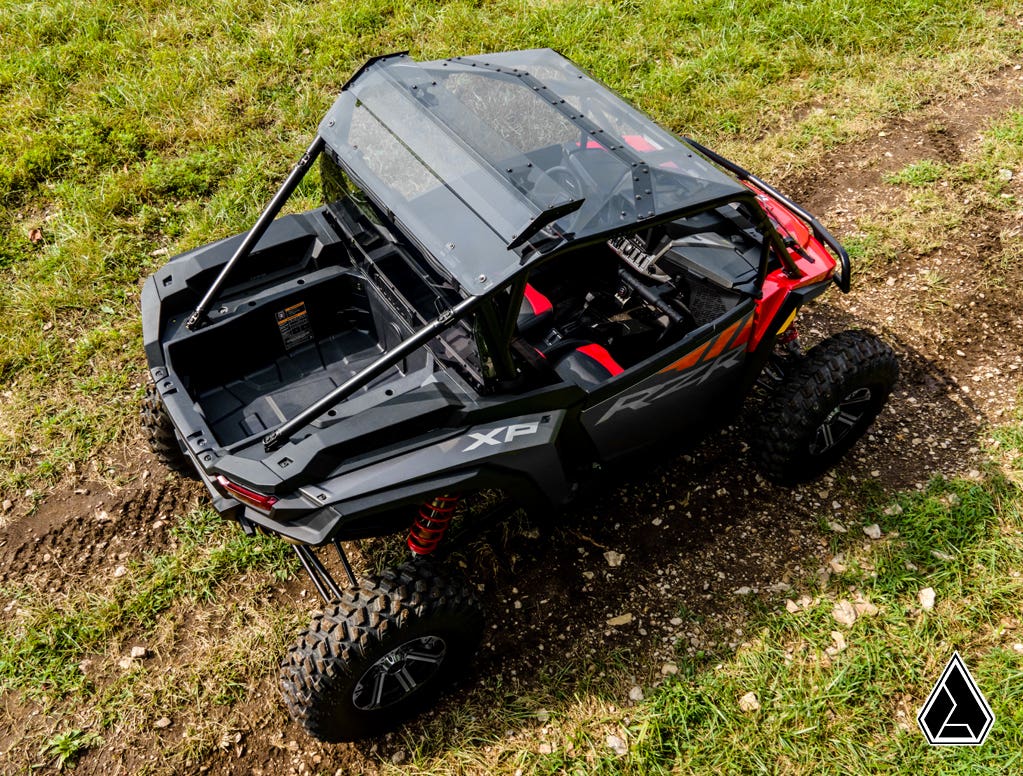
516,279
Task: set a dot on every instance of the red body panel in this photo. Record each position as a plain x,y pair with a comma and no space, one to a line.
811,258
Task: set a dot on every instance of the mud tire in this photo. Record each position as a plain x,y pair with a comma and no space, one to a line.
340,679
160,434
823,406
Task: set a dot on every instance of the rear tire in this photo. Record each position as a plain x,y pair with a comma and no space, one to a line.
160,434
822,407
381,654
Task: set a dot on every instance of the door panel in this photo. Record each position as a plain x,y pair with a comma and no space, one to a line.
681,390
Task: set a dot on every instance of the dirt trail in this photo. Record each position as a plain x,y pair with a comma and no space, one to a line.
692,531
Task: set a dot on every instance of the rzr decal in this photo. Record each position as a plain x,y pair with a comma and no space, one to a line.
647,396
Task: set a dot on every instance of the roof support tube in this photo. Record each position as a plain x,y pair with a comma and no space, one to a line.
822,234
280,434
197,318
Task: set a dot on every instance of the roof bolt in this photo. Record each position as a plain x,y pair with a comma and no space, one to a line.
451,246
322,497
482,278
330,122
647,191
639,196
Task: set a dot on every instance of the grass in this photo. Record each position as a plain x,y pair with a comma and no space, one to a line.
42,649
65,748
135,131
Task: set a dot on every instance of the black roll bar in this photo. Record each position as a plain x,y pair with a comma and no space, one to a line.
822,234
265,219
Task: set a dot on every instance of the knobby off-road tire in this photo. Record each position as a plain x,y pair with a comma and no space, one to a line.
161,436
381,654
821,408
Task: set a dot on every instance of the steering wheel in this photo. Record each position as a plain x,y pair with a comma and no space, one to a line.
567,178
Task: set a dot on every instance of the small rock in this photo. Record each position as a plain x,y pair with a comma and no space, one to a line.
1005,174
749,702
676,621
839,644
138,652
835,526
588,574
35,235
837,563
125,663
941,555
744,590
622,619
614,559
543,715
120,571
873,531
894,509
792,606
669,669
1017,648
636,693
865,609
161,723
844,613
545,748
8,505
618,745
926,598
398,757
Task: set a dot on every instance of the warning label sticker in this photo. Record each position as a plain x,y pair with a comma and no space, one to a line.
293,323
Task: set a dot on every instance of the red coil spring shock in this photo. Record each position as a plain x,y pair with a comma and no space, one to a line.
431,523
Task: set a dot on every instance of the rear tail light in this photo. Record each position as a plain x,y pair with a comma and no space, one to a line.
256,500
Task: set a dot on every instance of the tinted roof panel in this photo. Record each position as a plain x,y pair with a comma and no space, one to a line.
468,153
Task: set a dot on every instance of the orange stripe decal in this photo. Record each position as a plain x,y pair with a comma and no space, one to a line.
734,336
688,360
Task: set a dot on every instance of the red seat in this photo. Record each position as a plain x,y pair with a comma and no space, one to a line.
587,365
536,310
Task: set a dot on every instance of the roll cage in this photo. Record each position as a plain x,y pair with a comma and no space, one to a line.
506,213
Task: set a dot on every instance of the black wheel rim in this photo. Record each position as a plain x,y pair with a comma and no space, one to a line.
399,673
842,420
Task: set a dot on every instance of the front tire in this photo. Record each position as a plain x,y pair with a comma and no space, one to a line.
381,654
826,404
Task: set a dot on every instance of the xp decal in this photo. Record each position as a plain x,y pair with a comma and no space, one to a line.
501,435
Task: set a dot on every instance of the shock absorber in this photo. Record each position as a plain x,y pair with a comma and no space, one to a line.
430,524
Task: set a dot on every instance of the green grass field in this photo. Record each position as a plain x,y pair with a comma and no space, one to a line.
136,130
